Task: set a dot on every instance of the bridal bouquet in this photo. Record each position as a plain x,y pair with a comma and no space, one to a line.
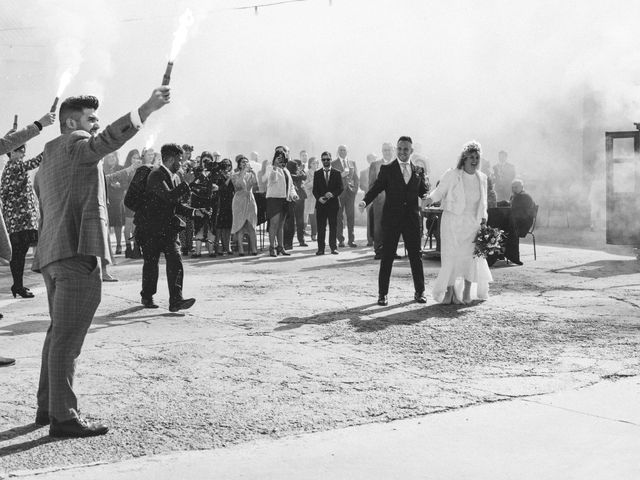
488,241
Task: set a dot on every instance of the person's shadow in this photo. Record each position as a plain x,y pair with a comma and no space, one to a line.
368,318
23,446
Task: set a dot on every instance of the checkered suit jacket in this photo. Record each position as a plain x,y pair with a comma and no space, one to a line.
71,187
10,142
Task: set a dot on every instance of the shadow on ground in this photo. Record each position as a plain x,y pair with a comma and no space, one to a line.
366,318
602,268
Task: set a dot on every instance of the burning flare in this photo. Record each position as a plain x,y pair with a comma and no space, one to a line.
180,35
65,80
151,139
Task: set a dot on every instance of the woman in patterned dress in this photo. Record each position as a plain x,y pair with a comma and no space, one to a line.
21,214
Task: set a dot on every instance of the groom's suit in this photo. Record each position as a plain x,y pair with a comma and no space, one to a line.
400,216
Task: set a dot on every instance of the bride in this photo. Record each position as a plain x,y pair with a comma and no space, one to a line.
463,193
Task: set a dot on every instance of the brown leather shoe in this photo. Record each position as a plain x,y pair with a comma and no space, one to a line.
76,427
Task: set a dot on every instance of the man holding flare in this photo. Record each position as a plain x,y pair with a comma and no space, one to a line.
73,237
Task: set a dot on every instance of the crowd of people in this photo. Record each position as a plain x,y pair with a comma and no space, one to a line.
169,204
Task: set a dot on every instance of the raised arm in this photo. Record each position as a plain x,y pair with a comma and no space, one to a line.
89,149
13,140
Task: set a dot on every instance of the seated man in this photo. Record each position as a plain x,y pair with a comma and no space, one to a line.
523,208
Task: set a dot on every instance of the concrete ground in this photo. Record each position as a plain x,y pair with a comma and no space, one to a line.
279,349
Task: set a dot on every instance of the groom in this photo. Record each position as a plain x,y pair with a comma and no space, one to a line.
402,183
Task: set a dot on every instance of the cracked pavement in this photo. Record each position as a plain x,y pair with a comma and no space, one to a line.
280,346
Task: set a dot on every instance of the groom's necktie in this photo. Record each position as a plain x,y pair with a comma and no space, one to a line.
326,176
406,173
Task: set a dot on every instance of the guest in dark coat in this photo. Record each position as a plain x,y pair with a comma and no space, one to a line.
158,226
224,217
327,188
523,208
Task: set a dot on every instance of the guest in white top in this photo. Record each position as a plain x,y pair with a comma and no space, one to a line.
463,193
280,191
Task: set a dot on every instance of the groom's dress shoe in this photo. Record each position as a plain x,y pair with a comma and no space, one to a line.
382,300
148,303
182,304
420,298
76,427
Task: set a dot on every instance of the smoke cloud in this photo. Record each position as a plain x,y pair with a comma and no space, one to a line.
515,76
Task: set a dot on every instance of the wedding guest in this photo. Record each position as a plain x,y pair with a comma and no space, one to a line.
132,157
327,187
294,223
9,142
203,189
116,176
20,212
463,194
349,174
492,199
378,203
186,175
73,236
115,198
224,216
310,201
280,191
364,186
504,173
244,207
160,227
523,213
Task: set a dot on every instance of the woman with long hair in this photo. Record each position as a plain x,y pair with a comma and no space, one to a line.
21,214
131,250
115,196
244,207
463,194
224,217
280,191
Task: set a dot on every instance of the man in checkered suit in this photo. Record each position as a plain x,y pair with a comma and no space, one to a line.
73,237
11,141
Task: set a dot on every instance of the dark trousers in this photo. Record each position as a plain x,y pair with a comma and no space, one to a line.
186,235
370,225
20,242
294,224
322,216
347,201
378,232
410,231
152,247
